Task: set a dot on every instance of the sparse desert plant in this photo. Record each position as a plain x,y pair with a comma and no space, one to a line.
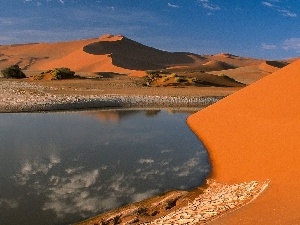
179,79
56,74
154,73
147,81
13,71
194,79
190,80
62,73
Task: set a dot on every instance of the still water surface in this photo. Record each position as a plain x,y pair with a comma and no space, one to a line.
59,168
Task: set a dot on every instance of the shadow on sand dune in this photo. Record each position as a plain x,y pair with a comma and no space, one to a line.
129,54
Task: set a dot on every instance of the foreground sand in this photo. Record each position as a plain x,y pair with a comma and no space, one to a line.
254,135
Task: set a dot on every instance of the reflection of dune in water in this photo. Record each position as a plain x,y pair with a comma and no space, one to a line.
105,116
114,116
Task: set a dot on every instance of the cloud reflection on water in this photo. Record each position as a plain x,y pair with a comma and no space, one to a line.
84,191
75,174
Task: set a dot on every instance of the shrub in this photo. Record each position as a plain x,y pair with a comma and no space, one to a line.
13,71
56,74
62,73
154,73
179,79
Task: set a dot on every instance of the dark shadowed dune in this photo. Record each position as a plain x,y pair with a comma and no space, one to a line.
213,80
272,66
215,65
277,64
129,54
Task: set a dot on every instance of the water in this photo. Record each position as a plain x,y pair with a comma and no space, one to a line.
60,168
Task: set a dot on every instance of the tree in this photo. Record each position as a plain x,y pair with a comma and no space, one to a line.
13,71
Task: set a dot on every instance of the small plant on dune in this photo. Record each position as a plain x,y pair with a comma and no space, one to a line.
56,74
13,71
179,79
147,81
62,73
153,73
190,80
165,79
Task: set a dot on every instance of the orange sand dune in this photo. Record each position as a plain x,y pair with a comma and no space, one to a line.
244,70
44,56
248,74
225,55
112,53
235,61
214,65
272,66
129,54
212,80
80,61
254,135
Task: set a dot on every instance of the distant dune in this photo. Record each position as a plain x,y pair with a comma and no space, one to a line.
251,73
215,65
133,55
272,66
118,54
254,135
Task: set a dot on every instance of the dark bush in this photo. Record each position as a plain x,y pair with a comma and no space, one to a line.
13,71
62,73
55,74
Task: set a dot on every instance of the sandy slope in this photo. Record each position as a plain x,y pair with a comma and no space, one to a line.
108,53
44,56
251,73
254,135
116,53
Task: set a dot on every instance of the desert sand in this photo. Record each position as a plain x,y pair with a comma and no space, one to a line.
253,135
118,54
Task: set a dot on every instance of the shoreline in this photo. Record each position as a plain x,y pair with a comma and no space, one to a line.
108,102
199,206
19,96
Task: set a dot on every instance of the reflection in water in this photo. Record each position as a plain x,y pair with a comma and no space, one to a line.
116,116
58,168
